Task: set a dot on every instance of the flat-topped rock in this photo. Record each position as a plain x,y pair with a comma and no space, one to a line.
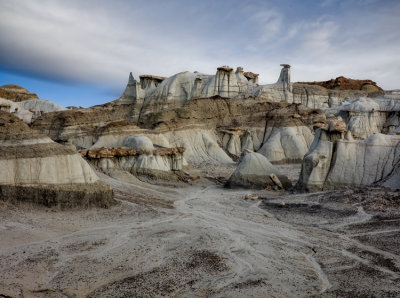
225,68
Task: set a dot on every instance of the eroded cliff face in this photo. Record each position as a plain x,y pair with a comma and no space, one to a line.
335,160
34,168
218,118
224,99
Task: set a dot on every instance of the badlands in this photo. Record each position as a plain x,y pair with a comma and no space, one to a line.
203,185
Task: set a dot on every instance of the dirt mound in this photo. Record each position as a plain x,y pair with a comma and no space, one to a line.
342,83
16,93
11,127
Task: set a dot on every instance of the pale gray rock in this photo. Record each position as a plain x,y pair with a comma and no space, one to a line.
36,169
201,145
154,94
333,161
139,143
152,162
316,162
365,116
284,77
286,144
234,145
254,171
364,162
29,110
133,91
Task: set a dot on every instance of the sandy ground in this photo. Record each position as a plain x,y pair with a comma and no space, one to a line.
205,240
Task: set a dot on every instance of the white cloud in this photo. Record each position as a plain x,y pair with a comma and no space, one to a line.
319,39
268,23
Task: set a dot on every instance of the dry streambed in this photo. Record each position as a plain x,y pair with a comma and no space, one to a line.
203,240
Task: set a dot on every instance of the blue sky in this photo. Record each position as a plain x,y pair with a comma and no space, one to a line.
81,52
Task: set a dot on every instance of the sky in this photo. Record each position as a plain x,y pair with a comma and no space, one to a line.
80,52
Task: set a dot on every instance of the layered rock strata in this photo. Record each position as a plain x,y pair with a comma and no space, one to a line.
226,113
34,168
131,160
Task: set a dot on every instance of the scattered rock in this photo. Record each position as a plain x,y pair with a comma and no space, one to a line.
251,197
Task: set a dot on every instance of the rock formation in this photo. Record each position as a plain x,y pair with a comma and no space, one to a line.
217,118
284,78
34,168
137,155
342,83
255,171
139,143
289,133
16,93
334,161
23,104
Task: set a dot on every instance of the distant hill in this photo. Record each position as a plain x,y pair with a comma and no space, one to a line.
342,83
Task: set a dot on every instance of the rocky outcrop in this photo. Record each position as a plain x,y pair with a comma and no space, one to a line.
16,93
342,83
284,78
132,160
139,143
155,94
236,140
99,126
82,127
174,91
366,116
289,132
229,108
138,156
23,104
34,168
255,171
334,160
363,117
